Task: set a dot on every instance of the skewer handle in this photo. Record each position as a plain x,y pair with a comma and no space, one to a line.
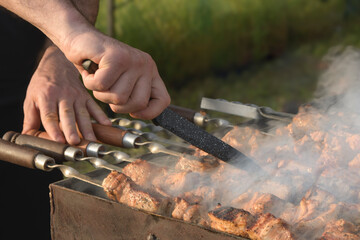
56,150
40,134
193,116
187,113
114,136
90,66
23,156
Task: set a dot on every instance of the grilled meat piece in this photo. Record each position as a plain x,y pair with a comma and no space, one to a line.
231,220
257,203
204,194
354,142
307,120
143,172
340,230
245,139
242,223
166,182
187,211
343,183
314,227
196,164
176,183
277,188
311,205
355,163
236,180
181,205
268,227
121,188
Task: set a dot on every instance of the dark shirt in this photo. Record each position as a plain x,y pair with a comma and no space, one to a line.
20,44
24,201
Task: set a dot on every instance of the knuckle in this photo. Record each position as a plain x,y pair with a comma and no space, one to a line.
115,108
99,86
119,99
142,59
122,59
51,116
83,112
167,100
141,104
67,110
96,84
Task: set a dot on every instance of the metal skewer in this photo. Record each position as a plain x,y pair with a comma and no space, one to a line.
137,124
34,159
94,151
57,150
70,172
155,138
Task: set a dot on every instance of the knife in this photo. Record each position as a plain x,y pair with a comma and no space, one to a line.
196,136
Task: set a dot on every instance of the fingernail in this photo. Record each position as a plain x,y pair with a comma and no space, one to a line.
90,137
59,138
107,121
74,138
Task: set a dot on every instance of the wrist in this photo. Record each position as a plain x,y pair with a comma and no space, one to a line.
72,24
53,60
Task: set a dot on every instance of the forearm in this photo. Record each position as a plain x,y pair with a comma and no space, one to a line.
57,19
88,8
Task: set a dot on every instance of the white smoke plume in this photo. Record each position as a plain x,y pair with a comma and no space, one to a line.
313,163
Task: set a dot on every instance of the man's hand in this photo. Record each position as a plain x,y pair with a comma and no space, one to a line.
127,78
55,94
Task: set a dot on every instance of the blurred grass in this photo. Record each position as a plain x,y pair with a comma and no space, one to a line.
265,52
190,38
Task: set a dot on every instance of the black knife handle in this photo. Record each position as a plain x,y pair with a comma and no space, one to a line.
193,134
198,137
187,113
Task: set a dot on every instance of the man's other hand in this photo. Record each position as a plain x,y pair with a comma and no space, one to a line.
55,94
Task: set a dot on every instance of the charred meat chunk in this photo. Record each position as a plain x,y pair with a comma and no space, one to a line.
257,203
242,223
143,172
175,183
121,188
268,227
340,230
231,220
187,211
196,164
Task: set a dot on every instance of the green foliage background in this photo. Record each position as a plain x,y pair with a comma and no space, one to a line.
261,51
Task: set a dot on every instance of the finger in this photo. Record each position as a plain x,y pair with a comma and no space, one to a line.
97,113
31,117
68,121
50,119
160,99
83,121
104,78
139,98
120,92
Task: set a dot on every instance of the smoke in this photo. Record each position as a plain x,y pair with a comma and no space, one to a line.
313,163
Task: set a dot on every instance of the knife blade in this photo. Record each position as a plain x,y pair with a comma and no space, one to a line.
251,111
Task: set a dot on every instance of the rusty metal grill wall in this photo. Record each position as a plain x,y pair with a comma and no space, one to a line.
82,211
